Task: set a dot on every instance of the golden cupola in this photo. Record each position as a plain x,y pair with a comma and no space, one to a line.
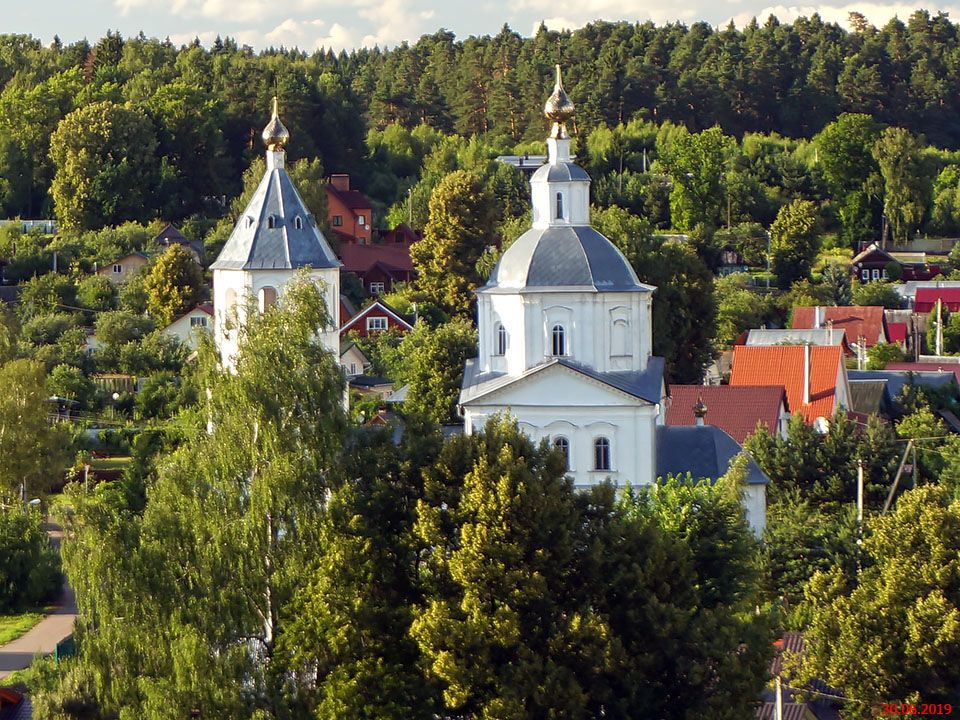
558,109
275,135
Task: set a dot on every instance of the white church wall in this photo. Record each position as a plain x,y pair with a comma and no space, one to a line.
629,428
232,289
754,502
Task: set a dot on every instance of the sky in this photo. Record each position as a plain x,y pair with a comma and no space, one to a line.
347,24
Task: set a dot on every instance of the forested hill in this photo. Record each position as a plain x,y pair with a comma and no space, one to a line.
207,105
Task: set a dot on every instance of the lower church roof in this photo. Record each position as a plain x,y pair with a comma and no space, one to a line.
645,385
704,451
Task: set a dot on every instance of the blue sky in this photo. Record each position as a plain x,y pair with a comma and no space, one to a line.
309,24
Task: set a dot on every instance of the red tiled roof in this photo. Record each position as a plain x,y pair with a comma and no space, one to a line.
897,332
735,410
353,199
206,307
769,365
867,321
927,297
360,258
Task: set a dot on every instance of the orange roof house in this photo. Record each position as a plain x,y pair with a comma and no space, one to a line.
735,410
348,211
815,378
866,321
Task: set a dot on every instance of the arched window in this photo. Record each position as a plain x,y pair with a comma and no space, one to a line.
559,206
501,339
563,445
619,338
272,221
601,454
298,222
250,221
231,302
559,338
268,298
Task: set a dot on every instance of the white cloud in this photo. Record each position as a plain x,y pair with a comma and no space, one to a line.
585,11
877,13
311,34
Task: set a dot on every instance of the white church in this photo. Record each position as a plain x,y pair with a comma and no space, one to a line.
565,326
566,346
275,240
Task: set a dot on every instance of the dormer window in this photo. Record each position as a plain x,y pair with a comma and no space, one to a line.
272,221
250,221
559,206
298,222
558,338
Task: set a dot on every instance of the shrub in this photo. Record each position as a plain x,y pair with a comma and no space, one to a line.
30,571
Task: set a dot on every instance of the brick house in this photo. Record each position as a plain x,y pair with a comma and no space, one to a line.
348,211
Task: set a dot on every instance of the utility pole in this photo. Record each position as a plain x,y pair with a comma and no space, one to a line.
939,329
779,699
896,478
859,511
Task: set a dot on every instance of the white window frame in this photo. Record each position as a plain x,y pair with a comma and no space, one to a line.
602,462
198,321
117,268
377,323
865,274
378,288
558,340
499,340
336,221
875,274
362,219
561,443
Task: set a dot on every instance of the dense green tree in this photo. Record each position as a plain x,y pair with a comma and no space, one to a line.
892,631
846,157
34,449
203,579
70,382
876,293
882,353
351,621
106,171
794,241
30,573
174,284
456,236
430,360
697,164
906,185
506,637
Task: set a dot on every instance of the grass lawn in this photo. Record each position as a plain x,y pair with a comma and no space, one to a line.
110,463
13,626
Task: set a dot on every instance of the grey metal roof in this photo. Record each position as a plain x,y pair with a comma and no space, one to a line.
646,385
561,172
704,451
814,336
255,245
576,257
897,379
869,397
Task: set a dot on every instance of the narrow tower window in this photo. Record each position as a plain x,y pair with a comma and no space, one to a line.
268,298
563,445
272,221
559,206
601,454
501,339
559,337
298,222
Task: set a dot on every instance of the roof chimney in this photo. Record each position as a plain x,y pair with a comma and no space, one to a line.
817,316
829,332
341,181
700,410
806,374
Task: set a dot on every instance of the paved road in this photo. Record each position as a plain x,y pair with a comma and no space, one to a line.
42,639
